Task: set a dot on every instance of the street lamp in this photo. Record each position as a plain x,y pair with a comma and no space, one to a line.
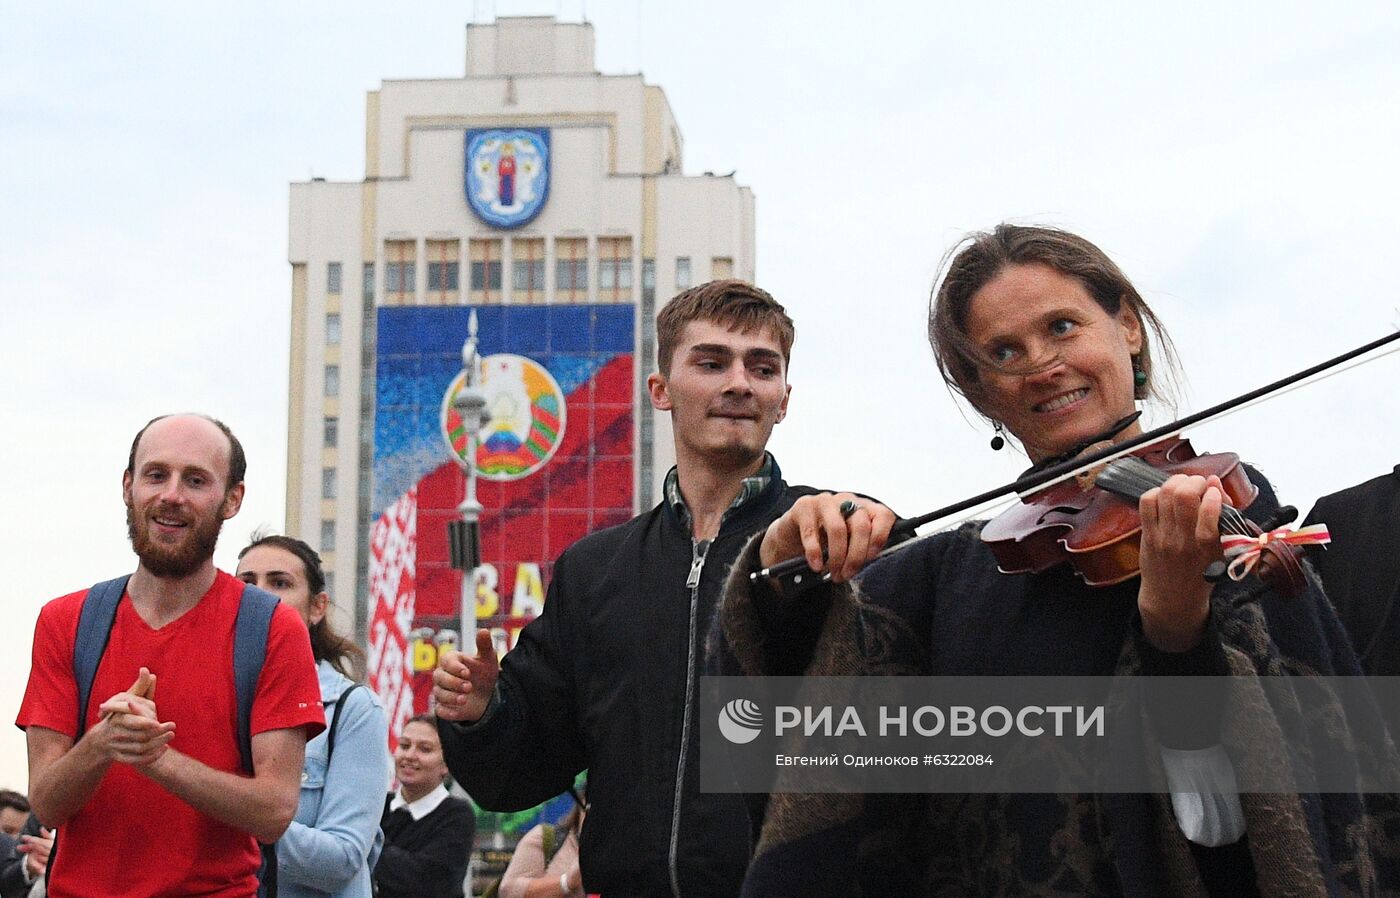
464,536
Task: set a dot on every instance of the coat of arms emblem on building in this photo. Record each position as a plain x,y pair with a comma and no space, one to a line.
525,423
507,177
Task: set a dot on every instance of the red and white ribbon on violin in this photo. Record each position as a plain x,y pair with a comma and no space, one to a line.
1245,550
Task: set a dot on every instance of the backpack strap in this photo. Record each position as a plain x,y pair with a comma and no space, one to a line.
250,629
335,720
94,629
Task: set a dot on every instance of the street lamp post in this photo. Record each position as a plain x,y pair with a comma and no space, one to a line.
464,536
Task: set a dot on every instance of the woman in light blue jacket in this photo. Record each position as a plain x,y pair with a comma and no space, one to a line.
332,845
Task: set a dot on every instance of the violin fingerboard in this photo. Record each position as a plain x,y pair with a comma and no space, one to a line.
1129,477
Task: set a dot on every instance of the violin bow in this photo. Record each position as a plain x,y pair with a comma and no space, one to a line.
794,570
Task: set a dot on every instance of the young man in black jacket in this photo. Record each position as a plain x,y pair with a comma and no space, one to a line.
607,677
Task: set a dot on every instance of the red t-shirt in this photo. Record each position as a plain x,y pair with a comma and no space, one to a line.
133,838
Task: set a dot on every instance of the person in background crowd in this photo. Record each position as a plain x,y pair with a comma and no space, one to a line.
545,862
334,840
1360,568
14,811
24,858
427,832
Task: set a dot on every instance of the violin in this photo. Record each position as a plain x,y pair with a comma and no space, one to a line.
1126,481
1091,521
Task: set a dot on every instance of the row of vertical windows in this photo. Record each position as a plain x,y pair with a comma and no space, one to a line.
399,275
360,575
488,266
487,271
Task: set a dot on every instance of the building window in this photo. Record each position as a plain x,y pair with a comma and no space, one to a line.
527,284
332,328
332,277
328,483
332,380
329,588
332,432
721,267
571,269
400,259
443,280
327,536
399,279
683,272
614,269
442,276
368,285
486,274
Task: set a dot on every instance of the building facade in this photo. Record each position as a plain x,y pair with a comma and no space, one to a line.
549,199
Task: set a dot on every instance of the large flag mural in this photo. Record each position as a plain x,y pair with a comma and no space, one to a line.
555,462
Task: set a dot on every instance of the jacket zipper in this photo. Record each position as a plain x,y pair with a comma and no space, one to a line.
699,548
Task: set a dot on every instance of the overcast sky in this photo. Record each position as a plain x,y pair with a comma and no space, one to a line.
1239,161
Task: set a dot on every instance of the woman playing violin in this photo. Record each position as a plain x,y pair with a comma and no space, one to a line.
1044,336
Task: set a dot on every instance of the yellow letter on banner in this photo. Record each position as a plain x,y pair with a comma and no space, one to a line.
529,591
424,654
488,601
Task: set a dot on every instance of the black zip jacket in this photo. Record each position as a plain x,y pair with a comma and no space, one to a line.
607,679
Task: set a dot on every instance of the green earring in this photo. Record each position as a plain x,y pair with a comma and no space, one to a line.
1139,379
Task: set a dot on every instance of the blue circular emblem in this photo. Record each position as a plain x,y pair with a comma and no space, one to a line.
507,174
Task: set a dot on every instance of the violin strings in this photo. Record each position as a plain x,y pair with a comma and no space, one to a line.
1130,477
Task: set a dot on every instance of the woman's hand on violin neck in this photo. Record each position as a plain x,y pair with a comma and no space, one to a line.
840,533
1180,538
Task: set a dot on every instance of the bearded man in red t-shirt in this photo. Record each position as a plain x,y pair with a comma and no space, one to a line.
151,798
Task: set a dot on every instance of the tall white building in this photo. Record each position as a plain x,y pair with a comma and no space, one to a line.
535,184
